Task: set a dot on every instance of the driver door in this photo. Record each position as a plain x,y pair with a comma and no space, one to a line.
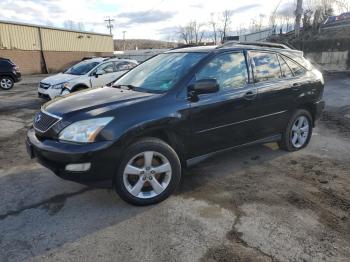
226,118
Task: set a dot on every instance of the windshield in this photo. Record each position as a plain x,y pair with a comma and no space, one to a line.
81,68
160,73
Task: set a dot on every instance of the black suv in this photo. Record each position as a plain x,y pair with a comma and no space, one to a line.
173,110
9,74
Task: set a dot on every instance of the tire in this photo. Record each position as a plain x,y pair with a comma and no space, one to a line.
298,132
65,92
163,168
6,83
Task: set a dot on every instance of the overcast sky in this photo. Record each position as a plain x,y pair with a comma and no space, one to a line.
151,19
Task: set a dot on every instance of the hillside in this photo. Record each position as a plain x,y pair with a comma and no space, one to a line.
132,44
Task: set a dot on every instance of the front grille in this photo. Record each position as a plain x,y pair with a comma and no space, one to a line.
44,85
44,121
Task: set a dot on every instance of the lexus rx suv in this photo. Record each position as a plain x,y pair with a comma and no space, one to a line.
175,109
94,72
9,74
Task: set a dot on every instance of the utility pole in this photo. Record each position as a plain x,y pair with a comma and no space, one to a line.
124,40
298,14
109,25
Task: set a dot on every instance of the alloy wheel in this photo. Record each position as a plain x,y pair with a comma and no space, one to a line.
300,131
6,83
147,174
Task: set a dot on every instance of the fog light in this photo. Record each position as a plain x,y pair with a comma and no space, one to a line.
78,167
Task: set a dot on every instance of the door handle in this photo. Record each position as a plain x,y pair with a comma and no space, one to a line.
250,95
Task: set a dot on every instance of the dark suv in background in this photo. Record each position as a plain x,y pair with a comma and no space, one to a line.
9,74
174,109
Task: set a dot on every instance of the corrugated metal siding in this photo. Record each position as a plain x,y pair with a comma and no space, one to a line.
19,37
13,36
55,40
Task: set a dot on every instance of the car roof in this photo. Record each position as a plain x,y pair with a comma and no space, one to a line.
238,46
112,59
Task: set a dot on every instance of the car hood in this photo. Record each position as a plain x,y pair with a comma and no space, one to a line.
94,101
59,78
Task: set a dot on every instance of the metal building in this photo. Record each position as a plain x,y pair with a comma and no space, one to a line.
40,49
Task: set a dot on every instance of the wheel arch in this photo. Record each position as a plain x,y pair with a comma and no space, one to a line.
78,86
311,108
169,136
7,75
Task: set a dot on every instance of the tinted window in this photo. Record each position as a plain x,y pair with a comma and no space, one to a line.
266,66
106,68
285,70
160,73
229,70
296,68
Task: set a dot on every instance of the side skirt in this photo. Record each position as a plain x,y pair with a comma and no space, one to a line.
195,160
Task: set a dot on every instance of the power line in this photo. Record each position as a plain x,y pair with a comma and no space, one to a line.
110,25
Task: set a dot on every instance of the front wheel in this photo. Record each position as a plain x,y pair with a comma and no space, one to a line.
298,132
149,172
6,83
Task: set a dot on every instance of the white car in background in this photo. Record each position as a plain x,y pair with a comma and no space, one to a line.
94,72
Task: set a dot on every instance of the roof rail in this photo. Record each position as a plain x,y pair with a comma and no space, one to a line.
262,44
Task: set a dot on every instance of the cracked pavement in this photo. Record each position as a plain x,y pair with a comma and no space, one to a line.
252,204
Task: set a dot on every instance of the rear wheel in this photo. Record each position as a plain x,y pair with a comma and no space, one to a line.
149,172
6,83
298,132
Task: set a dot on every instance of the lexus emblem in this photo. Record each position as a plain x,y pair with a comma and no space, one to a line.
37,118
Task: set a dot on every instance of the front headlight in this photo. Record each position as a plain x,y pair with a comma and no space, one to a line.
84,131
60,86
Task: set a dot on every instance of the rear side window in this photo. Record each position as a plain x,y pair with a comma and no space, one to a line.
285,70
265,66
295,67
229,70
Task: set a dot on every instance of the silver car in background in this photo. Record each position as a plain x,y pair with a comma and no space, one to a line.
94,72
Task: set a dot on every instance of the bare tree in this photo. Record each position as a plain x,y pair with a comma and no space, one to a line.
298,14
213,25
225,24
191,33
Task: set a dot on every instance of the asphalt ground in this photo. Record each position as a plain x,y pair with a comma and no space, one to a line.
252,204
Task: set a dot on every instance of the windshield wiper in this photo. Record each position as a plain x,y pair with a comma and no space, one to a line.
129,87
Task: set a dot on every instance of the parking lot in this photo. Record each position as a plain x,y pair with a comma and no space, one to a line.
252,204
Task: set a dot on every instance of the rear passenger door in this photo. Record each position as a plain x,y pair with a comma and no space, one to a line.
274,81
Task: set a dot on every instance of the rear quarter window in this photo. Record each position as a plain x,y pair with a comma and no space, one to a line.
294,66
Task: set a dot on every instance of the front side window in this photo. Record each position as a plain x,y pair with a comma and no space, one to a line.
265,66
160,73
229,70
123,66
105,68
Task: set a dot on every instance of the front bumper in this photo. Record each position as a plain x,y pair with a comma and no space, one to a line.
49,93
56,155
17,76
319,107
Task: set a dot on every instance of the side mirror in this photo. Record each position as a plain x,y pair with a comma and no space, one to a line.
206,86
98,73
